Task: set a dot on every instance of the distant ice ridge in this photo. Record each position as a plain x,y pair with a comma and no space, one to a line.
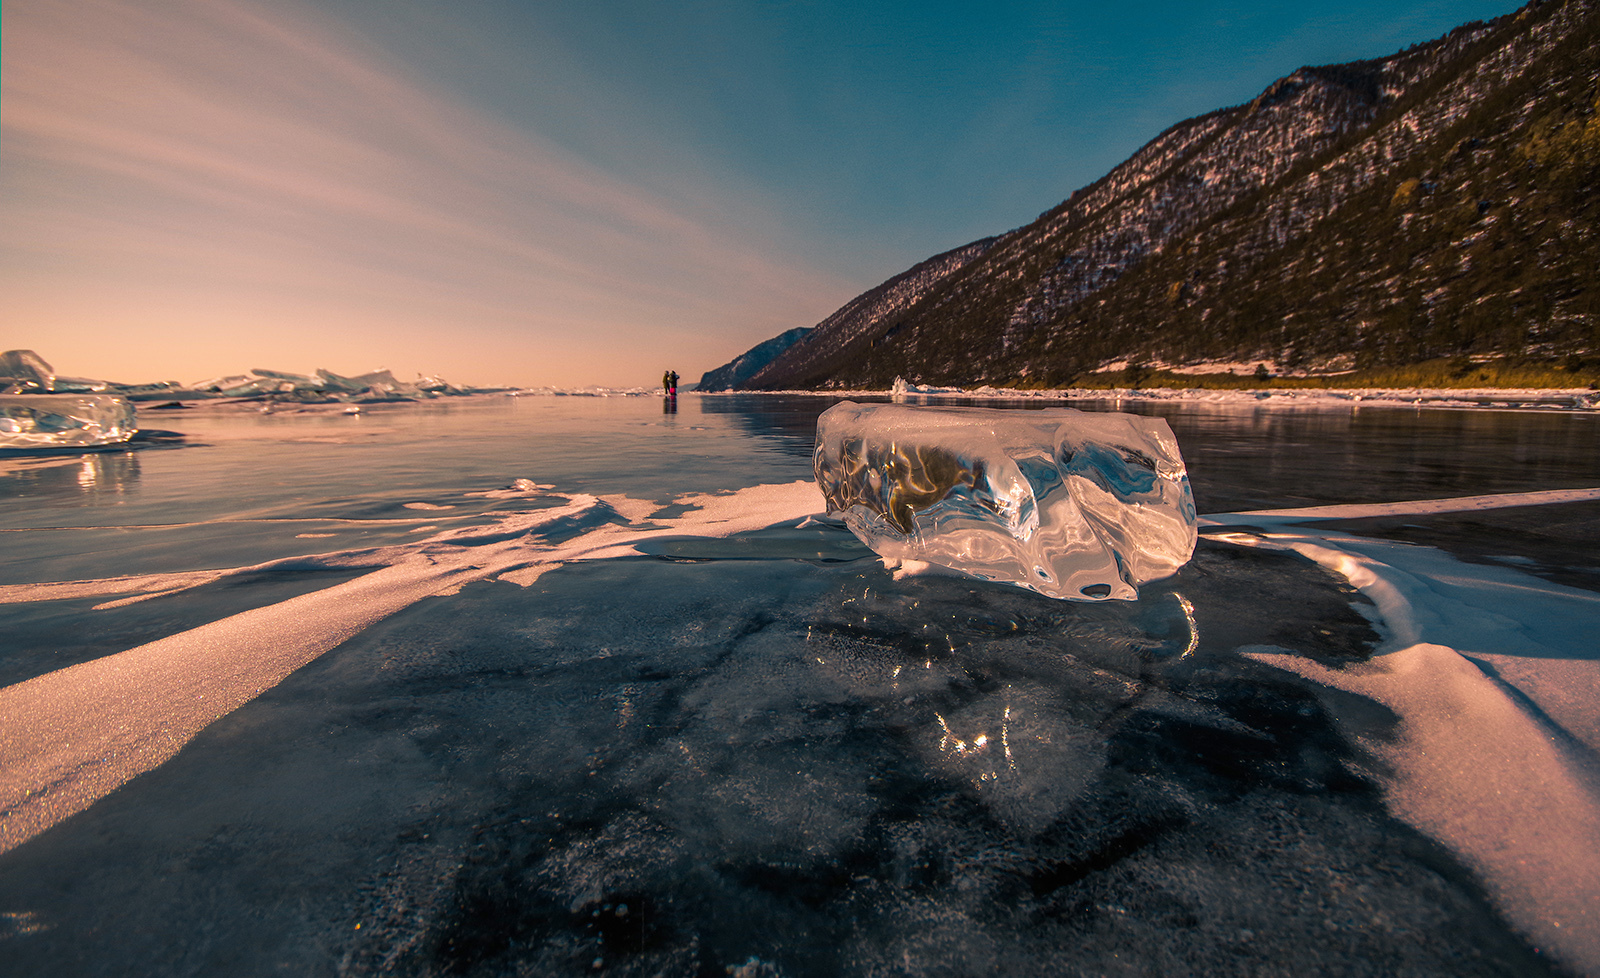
325,385
1071,504
64,420
24,372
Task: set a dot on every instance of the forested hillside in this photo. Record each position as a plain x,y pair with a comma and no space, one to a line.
1441,202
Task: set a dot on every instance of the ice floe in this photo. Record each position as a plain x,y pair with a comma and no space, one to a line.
24,371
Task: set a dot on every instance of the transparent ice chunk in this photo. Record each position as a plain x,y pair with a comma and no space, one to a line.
64,420
1072,504
25,370
378,383
382,383
335,382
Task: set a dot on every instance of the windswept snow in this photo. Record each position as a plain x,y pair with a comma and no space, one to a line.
76,734
1494,675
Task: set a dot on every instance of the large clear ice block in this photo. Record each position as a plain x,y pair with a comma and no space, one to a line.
1072,504
64,420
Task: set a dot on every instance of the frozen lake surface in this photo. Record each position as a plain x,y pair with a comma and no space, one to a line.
351,699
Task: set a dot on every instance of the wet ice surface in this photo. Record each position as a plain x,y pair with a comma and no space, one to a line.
250,487
1072,504
761,752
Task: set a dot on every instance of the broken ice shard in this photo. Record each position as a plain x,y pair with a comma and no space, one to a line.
25,370
31,421
1072,504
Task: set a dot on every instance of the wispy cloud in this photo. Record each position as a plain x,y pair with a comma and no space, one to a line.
178,166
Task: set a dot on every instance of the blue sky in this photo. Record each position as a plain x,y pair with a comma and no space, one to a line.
563,193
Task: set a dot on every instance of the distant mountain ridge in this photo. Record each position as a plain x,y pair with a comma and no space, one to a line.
1440,202
747,364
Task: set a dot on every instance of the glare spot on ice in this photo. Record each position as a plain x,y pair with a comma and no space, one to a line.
20,923
1194,630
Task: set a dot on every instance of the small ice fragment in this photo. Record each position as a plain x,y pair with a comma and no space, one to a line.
298,380
25,370
382,385
436,385
333,382
1072,504
64,420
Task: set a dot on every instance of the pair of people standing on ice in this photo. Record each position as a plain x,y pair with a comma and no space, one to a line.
669,383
